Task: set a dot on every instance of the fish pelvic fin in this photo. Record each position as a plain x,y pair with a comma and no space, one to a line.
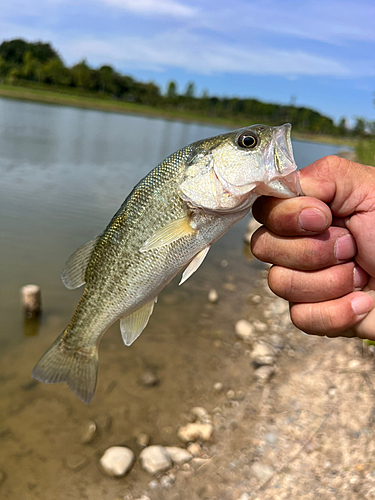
194,264
79,370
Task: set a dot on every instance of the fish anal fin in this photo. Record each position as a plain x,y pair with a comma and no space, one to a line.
133,325
73,275
166,235
194,264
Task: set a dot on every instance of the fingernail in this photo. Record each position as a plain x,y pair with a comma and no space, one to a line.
362,304
312,219
345,247
360,277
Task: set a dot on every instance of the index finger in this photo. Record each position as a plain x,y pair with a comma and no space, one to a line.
293,216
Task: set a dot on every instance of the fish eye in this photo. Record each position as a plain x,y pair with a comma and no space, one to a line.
248,140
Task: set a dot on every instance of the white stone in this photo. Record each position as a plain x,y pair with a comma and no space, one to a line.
201,414
213,296
143,439
261,471
155,459
244,330
178,455
218,387
256,299
260,326
195,449
262,354
89,433
117,460
264,373
196,431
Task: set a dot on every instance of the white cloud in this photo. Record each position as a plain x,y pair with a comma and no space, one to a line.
180,49
154,7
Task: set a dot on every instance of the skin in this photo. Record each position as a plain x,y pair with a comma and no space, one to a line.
322,247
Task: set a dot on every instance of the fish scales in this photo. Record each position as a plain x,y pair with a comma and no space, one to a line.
168,222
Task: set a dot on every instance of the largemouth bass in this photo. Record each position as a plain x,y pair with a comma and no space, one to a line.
167,223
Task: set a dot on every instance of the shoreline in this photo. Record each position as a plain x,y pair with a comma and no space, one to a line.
112,106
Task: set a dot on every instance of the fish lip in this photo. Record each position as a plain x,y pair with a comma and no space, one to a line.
282,150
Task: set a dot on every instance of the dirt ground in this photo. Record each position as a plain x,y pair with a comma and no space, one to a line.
306,433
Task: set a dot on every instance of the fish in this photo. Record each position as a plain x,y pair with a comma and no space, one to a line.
166,225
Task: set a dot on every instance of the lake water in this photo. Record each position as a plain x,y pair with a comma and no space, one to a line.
64,173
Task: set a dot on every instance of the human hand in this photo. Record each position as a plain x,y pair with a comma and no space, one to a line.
322,246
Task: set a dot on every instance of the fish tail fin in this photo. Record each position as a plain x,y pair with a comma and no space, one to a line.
79,370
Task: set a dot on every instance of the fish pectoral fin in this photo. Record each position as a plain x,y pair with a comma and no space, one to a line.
194,264
132,326
168,234
73,275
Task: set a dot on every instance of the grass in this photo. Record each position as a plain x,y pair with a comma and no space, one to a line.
365,150
89,100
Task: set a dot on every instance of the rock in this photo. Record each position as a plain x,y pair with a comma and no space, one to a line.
213,296
276,341
195,449
198,462
230,394
143,440
201,414
262,354
270,437
155,459
153,484
144,497
149,379
260,326
264,373
278,307
218,387
31,300
76,462
117,460
244,330
178,455
224,263
90,433
167,480
256,299
196,431
244,496
261,471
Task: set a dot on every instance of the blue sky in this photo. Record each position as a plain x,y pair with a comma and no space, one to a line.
320,53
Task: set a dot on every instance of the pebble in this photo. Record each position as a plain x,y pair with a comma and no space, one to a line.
195,432
89,433
262,354
244,496
178,455
195,449
143,440
260,326
218,387
144,497
256,299
261,471
279,307
153,484
270,437
155,459
244,330
149,379
276,341
213,296
264,373
354,364
167,480
230,394
117,460
224,263
201,414
76,461
198,462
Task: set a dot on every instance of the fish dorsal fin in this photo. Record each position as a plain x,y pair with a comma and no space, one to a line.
168,234
132,326
73,275
194,264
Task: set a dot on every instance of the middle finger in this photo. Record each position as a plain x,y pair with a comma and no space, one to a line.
334,246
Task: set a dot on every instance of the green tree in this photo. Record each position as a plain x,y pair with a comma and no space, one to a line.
81,75
55,72
190,90
172,90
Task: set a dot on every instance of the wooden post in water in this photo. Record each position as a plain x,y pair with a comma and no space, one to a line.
31,300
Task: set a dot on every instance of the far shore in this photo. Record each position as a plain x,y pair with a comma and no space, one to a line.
109,105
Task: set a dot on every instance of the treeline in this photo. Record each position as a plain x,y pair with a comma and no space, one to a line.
24,63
